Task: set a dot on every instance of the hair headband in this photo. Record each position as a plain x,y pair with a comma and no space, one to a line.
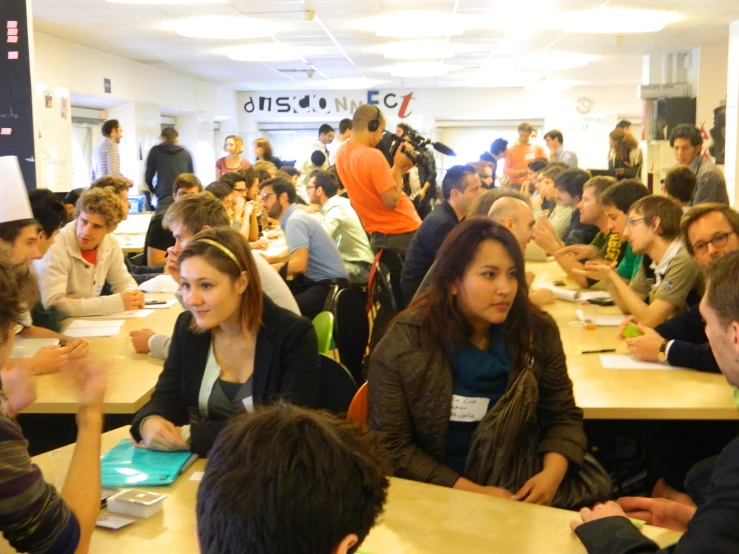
222,249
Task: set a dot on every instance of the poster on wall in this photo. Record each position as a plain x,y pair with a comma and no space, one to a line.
53,147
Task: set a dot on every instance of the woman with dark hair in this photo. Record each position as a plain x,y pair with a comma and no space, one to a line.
625,157
232,350
263,152
469,386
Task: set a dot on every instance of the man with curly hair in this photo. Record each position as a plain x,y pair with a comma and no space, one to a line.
83,257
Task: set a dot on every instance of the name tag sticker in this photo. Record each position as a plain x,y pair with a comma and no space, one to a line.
468,409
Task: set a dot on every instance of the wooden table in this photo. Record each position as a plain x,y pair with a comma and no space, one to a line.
418,519
630,394
132,376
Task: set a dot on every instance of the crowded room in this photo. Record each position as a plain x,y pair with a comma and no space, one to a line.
381,277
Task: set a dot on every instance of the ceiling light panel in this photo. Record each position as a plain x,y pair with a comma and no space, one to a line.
418,69
224,27
424,49
416,24
267,52
617,20
168,2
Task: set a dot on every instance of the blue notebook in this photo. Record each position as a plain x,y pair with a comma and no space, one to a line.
125,465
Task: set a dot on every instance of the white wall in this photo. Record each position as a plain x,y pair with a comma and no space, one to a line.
585,134
138,94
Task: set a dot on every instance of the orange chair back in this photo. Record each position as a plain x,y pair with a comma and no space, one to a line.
359,406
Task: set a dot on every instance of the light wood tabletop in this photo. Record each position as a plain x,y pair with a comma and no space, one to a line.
131,378
418,519
671,393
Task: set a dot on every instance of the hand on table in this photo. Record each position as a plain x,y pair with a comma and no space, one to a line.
140,340
132,300
599,511
48,359
645,347
159,434
540,297
76,347
20,388
581,251
540,489
658,511
261,244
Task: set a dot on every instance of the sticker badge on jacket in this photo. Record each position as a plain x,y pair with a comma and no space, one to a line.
468,409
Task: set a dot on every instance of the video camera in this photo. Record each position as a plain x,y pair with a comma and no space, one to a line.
390,143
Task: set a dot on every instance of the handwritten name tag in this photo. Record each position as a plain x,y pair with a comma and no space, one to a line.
468,409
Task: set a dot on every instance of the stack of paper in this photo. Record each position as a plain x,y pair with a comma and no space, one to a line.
84,328
25,348
627,361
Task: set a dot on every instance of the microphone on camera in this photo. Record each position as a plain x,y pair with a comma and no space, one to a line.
443,148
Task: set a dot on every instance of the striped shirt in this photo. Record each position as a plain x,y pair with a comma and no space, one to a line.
105,160
33,518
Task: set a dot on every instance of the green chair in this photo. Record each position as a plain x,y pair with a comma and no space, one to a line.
323,324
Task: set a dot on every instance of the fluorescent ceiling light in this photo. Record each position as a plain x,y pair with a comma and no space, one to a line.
421,69
545,84
163,2
266,52
617,20
416,24
555,61
223,27
423,49
342,84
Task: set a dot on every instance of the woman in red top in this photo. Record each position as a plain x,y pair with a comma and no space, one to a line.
233,162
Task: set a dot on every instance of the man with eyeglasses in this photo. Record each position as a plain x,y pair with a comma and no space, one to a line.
668,280
709,231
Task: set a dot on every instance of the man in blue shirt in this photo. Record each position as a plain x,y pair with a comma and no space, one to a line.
312,257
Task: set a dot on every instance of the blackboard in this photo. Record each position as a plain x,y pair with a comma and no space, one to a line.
16,95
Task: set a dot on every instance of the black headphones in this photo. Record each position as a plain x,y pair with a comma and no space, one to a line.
375,123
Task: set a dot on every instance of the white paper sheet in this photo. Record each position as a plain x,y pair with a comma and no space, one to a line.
627,361
25,348
128,315
87,328
167,304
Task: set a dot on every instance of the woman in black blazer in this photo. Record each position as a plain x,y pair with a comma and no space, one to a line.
233,349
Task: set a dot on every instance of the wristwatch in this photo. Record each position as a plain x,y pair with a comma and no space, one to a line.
662,356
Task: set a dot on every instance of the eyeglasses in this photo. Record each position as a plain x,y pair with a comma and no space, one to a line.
310,187
717,241
633,220
240,191
266,195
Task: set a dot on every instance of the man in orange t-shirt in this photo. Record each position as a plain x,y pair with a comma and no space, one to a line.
520,155
374,188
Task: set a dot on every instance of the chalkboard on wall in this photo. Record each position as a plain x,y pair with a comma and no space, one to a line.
16,98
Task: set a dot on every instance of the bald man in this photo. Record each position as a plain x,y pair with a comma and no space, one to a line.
375,188
516,216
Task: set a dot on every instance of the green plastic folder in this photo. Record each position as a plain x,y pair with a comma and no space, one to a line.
126,465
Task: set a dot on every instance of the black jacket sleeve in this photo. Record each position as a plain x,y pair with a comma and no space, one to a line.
167,399
690,348
614,535
300,365
151,168
713,527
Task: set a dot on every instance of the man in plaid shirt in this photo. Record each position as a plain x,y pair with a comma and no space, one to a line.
105,158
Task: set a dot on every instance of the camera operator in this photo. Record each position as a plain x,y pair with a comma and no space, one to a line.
420,182
376,189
